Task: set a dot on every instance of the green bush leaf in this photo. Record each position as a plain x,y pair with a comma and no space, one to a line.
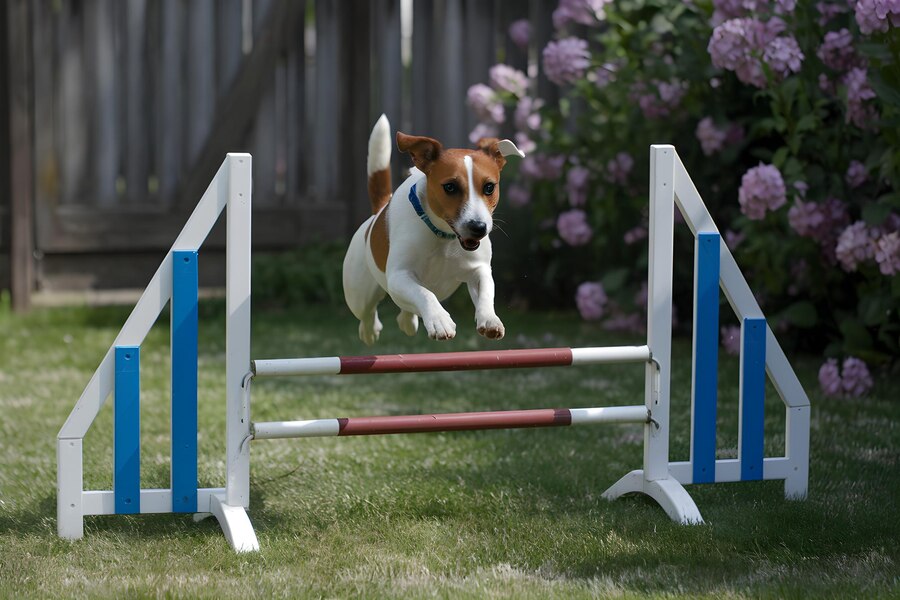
875,214
614,280
875,309
801,314
856,337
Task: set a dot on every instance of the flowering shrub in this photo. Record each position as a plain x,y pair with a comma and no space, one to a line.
787,116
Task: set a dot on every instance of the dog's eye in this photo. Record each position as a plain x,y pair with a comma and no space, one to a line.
488,188
450,188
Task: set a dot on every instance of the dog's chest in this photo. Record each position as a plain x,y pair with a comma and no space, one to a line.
443,269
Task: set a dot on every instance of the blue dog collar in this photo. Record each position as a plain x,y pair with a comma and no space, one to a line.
417,206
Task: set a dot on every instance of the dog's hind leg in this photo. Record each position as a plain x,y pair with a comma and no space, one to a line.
408,322
361,292
363,303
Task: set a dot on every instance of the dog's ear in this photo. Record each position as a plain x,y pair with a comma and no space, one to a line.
498,149
423,150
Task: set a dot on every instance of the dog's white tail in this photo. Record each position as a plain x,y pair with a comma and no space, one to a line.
379,164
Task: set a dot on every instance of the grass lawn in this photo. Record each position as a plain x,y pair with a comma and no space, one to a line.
514,514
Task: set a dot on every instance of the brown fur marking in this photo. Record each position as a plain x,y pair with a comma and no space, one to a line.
379,189
379,242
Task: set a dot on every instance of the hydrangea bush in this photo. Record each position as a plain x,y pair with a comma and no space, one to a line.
787,116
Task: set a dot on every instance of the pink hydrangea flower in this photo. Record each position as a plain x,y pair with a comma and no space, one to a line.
736,45
856,174
483,130
855,377
859,92
635,235
520,33
733,239
582,12
805,218
625,322
731,339
783,55
542,166
507,79
591,300
762,188
731,44
566,60
604,75
712,139
573,227
724,10
661,101
527,116
525,143
837,52
854,246
877,15
618,168
830,378
577,185
785,6
828,11
485,103
887,253
518,195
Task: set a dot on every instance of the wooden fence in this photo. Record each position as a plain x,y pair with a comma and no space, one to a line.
128,108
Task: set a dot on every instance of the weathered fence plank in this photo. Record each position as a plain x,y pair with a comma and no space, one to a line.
201,70
169,99
21,182
135,71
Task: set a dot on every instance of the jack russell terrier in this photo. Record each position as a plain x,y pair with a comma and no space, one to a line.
427,238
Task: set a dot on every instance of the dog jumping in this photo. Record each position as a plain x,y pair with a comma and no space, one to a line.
427,237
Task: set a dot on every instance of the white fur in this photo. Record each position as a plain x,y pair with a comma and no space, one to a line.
475,208
379,157
422,270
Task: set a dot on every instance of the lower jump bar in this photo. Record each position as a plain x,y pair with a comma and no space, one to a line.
450,361
508,419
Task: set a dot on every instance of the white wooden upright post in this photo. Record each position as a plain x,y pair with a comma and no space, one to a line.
237,328
659,310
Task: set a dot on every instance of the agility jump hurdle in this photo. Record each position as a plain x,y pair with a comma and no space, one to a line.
176,281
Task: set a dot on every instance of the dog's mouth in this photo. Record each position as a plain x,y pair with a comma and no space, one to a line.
468,244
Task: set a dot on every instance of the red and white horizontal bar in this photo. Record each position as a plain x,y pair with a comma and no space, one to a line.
450,361
507,419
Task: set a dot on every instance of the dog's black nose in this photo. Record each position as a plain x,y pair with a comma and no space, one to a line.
478,229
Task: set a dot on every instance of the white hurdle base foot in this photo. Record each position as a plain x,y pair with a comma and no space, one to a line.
668,493
234,522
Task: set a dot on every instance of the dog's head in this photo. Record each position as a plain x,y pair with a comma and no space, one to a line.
463,185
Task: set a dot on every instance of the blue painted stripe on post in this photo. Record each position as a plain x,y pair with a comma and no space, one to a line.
706,354
753,392
127,431
184,381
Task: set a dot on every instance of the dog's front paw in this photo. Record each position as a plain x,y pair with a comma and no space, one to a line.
440,326
490,327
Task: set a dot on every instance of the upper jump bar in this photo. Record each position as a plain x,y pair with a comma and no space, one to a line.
450,361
